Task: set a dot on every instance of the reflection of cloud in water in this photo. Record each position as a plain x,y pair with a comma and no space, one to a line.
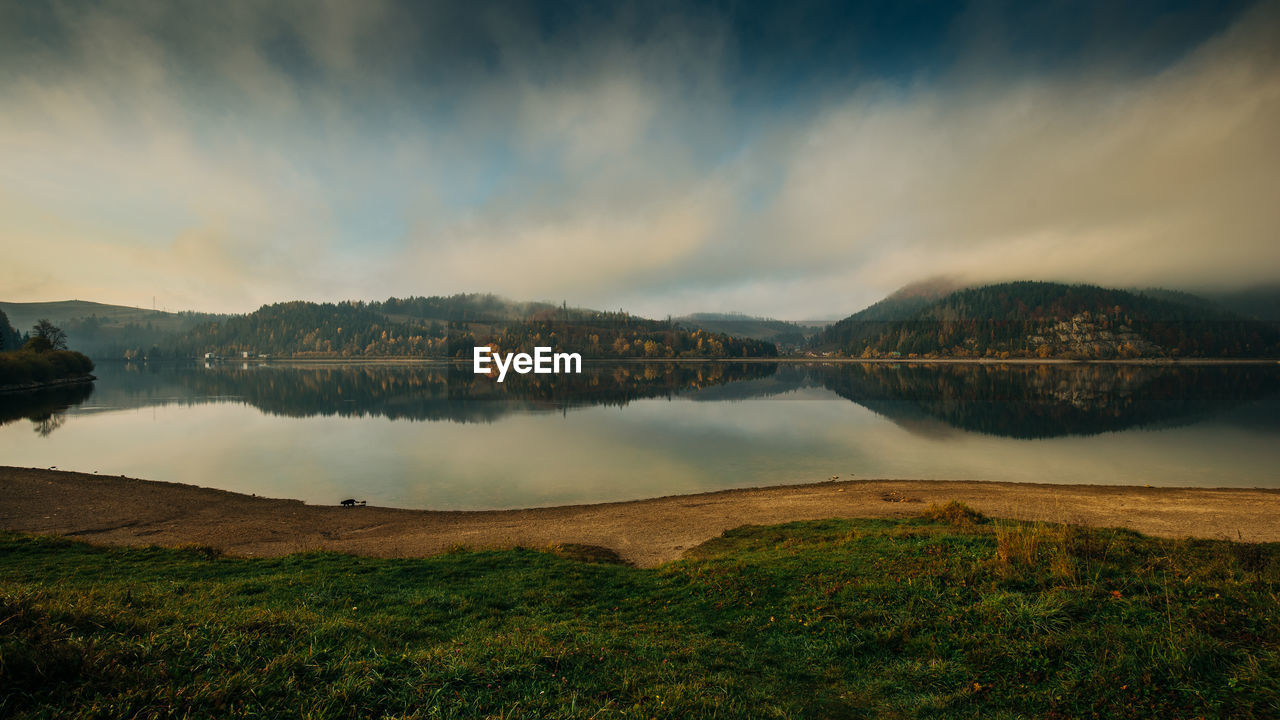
922,425
1028,401
788,427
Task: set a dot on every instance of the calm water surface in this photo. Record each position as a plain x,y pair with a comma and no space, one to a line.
436,436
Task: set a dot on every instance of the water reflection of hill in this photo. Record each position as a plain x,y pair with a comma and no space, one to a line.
787,378
1038,401
44,408
412,392
1021,401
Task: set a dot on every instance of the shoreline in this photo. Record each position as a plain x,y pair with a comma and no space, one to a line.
36,387
133,512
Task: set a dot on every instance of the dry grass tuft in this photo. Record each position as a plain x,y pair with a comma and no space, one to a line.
953,513
1058,547
1018,544
207,552
587,553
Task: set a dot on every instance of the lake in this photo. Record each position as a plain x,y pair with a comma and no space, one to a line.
438,436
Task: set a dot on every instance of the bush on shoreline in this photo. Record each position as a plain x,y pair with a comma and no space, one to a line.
25,367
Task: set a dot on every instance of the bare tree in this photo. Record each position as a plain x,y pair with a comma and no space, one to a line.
53,335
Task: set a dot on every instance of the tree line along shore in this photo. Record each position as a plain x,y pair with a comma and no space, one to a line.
39,359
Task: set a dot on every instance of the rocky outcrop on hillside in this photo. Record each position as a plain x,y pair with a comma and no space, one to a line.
1089,336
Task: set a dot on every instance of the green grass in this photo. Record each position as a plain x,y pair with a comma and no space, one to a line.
958,617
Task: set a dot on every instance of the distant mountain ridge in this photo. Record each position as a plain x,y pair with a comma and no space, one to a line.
449,327
109,331
101,330
938,317
780,332
1048,320
24,314
464,307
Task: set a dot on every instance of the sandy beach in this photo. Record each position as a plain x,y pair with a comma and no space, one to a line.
129,511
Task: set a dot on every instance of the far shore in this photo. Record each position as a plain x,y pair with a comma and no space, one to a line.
133,512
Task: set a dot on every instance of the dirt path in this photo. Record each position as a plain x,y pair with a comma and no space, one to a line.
125,511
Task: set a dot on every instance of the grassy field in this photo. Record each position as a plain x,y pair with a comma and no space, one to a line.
945,616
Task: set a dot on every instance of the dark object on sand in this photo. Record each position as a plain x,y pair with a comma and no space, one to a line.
352,502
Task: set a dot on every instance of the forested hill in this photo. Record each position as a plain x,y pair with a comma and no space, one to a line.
465,307
343,329
908,300
747,326
448,327
619,335
1052,320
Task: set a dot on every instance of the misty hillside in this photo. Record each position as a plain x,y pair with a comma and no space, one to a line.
469,307
1049,320
101,330
1259,303
748,326
908,300
24,315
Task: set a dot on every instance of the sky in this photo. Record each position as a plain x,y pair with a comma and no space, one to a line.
797,160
